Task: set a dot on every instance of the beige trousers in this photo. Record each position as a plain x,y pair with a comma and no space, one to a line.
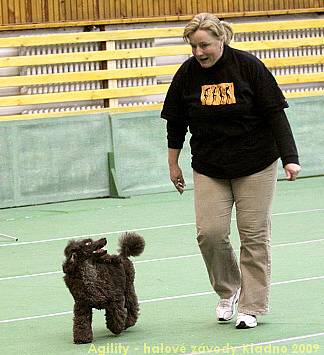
252,196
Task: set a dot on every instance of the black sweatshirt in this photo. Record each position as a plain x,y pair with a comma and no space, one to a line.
235,114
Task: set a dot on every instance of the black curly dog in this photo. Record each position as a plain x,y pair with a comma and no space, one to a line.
99,280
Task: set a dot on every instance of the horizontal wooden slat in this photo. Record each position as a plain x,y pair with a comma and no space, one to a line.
277,25
134,72
127,92
32,116
141,108
306,93
82,95
149,52
90,37
87,76
293,61
300,78
285,43
80,37
94,56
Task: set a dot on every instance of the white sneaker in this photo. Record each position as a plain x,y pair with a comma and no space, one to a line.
226,307
245,321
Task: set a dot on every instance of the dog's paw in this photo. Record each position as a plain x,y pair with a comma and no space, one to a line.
82,341
130,323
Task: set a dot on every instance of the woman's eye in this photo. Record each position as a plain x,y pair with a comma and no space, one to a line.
202,46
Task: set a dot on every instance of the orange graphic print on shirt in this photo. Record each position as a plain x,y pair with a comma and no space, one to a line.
218,94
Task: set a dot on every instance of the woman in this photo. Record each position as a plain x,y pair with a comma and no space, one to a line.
235,113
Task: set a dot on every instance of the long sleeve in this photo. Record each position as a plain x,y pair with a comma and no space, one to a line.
176,132
175,113
284,137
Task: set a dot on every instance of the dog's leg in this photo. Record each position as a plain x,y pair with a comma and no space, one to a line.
116,316
82,330
131,303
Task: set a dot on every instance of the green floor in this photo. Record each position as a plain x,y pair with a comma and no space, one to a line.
177,303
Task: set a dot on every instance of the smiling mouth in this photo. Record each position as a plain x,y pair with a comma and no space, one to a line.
99,251
203,61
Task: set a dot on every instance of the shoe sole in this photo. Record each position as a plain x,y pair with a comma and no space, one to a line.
224,320
242,325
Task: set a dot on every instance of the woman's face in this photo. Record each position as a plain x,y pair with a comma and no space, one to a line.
205,48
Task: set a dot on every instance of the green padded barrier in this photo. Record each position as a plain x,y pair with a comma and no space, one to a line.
7,171
140,154
86,156
58,159
306,116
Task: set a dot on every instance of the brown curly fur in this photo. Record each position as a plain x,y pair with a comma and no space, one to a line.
99,280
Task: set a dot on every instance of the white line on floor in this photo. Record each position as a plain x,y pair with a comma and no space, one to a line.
156,260
197,294
30,275
36,317
139,230
97,234
259,348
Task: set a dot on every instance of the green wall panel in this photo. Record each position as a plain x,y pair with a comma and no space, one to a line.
140,153
6,167
306,116
50,160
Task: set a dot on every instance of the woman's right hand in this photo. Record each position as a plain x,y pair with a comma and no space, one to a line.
177,178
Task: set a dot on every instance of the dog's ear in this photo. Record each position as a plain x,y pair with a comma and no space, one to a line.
70,253
72,247
72,258
70,263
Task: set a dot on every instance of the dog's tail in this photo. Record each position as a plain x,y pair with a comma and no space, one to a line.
131,244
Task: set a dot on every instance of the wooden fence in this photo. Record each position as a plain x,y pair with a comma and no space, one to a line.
111,55
16,14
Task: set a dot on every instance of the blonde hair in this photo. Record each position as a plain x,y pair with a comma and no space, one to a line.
209,22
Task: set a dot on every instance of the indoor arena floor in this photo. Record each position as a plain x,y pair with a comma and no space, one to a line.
176,300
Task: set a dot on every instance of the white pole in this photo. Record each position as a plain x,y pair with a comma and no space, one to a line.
8,236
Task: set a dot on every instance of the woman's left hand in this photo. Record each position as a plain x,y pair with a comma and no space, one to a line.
291,171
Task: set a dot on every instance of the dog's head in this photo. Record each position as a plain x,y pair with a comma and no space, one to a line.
81,250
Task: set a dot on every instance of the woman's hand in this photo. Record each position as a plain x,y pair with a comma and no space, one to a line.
291,171
177,178
175,170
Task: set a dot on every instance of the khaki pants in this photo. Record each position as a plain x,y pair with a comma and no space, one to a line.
214,200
